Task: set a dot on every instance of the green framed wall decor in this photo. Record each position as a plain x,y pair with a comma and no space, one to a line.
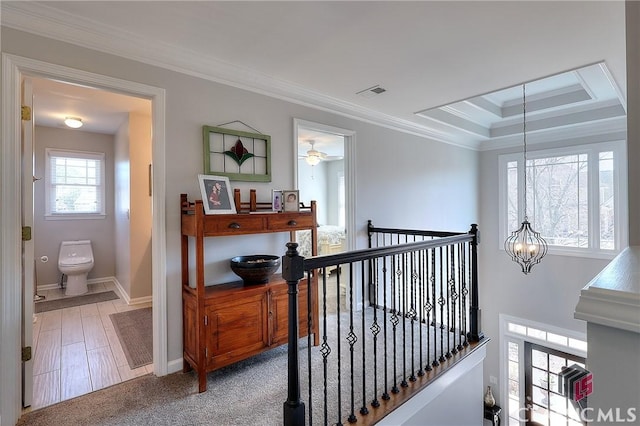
239,155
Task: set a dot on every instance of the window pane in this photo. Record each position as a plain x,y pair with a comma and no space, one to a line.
559,405
556,338
558,199
540,415
520,329
513,370
540,378
556,363
513,351
607,201
539,359
514,389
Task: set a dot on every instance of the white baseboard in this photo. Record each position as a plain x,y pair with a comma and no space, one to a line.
44,287
175,366
119,289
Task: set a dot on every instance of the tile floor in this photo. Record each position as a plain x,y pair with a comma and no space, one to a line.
77,350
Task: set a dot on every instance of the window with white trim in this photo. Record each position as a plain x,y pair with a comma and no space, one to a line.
74,184
575,197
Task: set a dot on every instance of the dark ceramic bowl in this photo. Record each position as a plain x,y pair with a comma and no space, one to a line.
255,269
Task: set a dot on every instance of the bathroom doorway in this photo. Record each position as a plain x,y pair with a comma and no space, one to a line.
83,337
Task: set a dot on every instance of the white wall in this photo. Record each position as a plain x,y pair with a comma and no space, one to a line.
140,215
312,183
48,234
454,399
334,170
122,206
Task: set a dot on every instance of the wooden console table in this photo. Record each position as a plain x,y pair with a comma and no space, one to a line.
226,323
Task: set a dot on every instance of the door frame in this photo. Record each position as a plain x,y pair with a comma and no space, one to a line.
13,68
349,182
349,170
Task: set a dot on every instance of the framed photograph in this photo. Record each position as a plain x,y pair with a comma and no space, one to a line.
216,192
291,200
237,155
276,200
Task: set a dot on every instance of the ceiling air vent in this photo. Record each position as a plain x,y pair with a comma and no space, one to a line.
371,91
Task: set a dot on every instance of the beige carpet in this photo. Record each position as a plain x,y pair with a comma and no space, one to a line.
135,331
69,302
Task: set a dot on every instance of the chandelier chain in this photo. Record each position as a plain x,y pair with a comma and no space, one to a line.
524,138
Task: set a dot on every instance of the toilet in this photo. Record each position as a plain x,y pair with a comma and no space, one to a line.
75,261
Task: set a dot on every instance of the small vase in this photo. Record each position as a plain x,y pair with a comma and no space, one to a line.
489,400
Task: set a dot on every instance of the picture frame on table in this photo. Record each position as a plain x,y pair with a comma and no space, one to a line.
217,196
291,200
276,200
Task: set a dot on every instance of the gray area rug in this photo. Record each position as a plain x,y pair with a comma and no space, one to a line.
69,302
135,332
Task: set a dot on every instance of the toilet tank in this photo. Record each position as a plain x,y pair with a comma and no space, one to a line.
76,249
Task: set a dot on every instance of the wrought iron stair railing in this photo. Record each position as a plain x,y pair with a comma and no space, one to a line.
409,312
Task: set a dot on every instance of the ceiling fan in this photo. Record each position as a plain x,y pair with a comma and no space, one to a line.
314,157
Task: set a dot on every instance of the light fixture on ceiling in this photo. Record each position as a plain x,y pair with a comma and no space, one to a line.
525,246
73,122
313,160
314,157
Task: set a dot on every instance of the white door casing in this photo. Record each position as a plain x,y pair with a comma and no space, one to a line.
28,264
11,310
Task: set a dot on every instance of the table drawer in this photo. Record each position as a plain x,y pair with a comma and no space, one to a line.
236,225
283,222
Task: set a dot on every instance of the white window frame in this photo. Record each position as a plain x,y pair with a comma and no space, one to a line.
620,196
53,215
576,345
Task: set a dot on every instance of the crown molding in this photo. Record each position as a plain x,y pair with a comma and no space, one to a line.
45,21
606,129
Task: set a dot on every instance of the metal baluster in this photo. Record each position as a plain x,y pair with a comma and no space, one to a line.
451,320
465,292
412,314
352,339
394,323
428,306
375,330
404,314
421,262
385,395
309,345
325,349
460,288
339,355
363,409
441,302
434,320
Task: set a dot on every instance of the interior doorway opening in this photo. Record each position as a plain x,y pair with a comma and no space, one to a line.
68,342
324,173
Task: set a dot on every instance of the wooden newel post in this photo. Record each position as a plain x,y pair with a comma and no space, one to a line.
475,335
293,272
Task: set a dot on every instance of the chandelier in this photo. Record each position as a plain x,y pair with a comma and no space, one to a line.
525,246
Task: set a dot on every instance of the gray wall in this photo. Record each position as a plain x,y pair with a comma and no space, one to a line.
435,187
48,234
